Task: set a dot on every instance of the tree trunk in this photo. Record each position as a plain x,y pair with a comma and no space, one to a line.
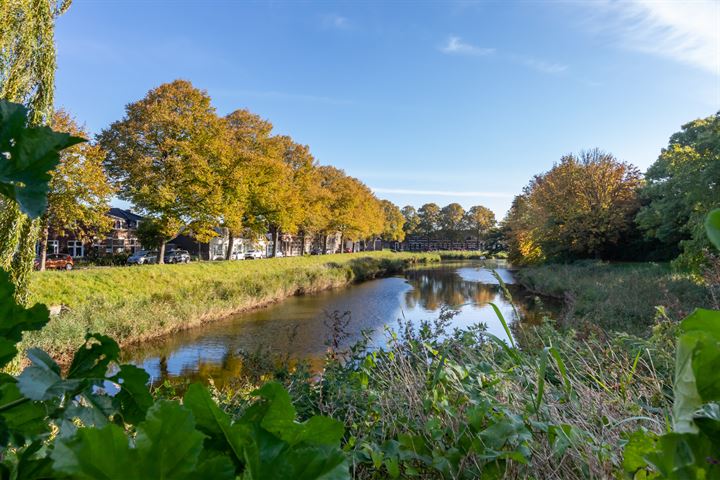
276,238
302,243
161,253
231,241
43,245
342,247
325,240
478,240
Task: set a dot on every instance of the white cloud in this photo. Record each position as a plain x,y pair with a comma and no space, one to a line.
335,21
685,31
442,193
540,65
455,46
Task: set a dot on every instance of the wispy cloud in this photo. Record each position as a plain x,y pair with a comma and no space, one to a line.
539,64
455,46
336,21
284,96
442,193
684,31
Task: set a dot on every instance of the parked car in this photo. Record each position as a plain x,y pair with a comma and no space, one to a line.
317,251
253,254
143,257
60,261
177,256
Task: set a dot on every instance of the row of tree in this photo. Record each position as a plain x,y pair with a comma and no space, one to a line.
191,171
451,222
591,205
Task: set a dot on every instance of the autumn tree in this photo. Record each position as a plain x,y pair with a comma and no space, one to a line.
394,222
27,76
451,220
79,193
428,220
479,220
681,187
579,209
163,157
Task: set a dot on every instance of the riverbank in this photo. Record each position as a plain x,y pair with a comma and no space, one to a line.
134,304
620,296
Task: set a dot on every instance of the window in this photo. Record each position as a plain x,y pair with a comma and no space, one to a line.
53,246
119,224
76,248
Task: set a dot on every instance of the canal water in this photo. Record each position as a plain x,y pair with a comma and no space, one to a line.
298,327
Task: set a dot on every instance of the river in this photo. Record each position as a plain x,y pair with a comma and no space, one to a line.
298,326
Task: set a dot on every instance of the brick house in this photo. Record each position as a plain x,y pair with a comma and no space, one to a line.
122,238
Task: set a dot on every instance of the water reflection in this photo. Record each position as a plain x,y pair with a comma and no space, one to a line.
296,327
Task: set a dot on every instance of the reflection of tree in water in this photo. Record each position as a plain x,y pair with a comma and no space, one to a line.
433,289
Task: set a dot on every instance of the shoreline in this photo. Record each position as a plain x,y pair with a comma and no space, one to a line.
172,298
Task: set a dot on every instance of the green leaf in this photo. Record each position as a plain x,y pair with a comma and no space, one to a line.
167,443
96,453
21,418
91,360
640,444
214,422
42,380
14,319
27,155
697,363
712,227
134,399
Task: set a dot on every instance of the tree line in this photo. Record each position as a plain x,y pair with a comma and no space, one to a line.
451,222
191,170
591,205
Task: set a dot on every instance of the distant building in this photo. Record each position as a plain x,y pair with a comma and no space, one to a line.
420,243
122,238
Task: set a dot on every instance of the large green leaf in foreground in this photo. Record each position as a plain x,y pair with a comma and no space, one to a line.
15,319
27,156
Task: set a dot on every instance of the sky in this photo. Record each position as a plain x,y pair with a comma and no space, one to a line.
424,101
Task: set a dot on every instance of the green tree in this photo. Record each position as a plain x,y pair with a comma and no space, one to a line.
27,75
163,156
452,220
581,208
479,220
394,222
79,194
680,187
411,219
428,220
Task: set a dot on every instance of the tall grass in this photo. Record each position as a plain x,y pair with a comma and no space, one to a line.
460,406
132,304
620,297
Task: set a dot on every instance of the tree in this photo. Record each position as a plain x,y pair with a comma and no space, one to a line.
411,219
164,157
451,220
79,194
394,222
581,208
479,220
27,75
428,220
681,187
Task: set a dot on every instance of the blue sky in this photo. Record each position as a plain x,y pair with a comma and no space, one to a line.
423,101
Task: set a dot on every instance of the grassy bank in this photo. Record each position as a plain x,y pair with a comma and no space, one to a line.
616,296
133,304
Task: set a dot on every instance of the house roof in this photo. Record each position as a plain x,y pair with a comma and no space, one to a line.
124,214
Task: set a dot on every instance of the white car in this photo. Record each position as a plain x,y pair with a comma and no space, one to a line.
254,254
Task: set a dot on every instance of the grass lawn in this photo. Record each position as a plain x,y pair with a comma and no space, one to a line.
132,304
